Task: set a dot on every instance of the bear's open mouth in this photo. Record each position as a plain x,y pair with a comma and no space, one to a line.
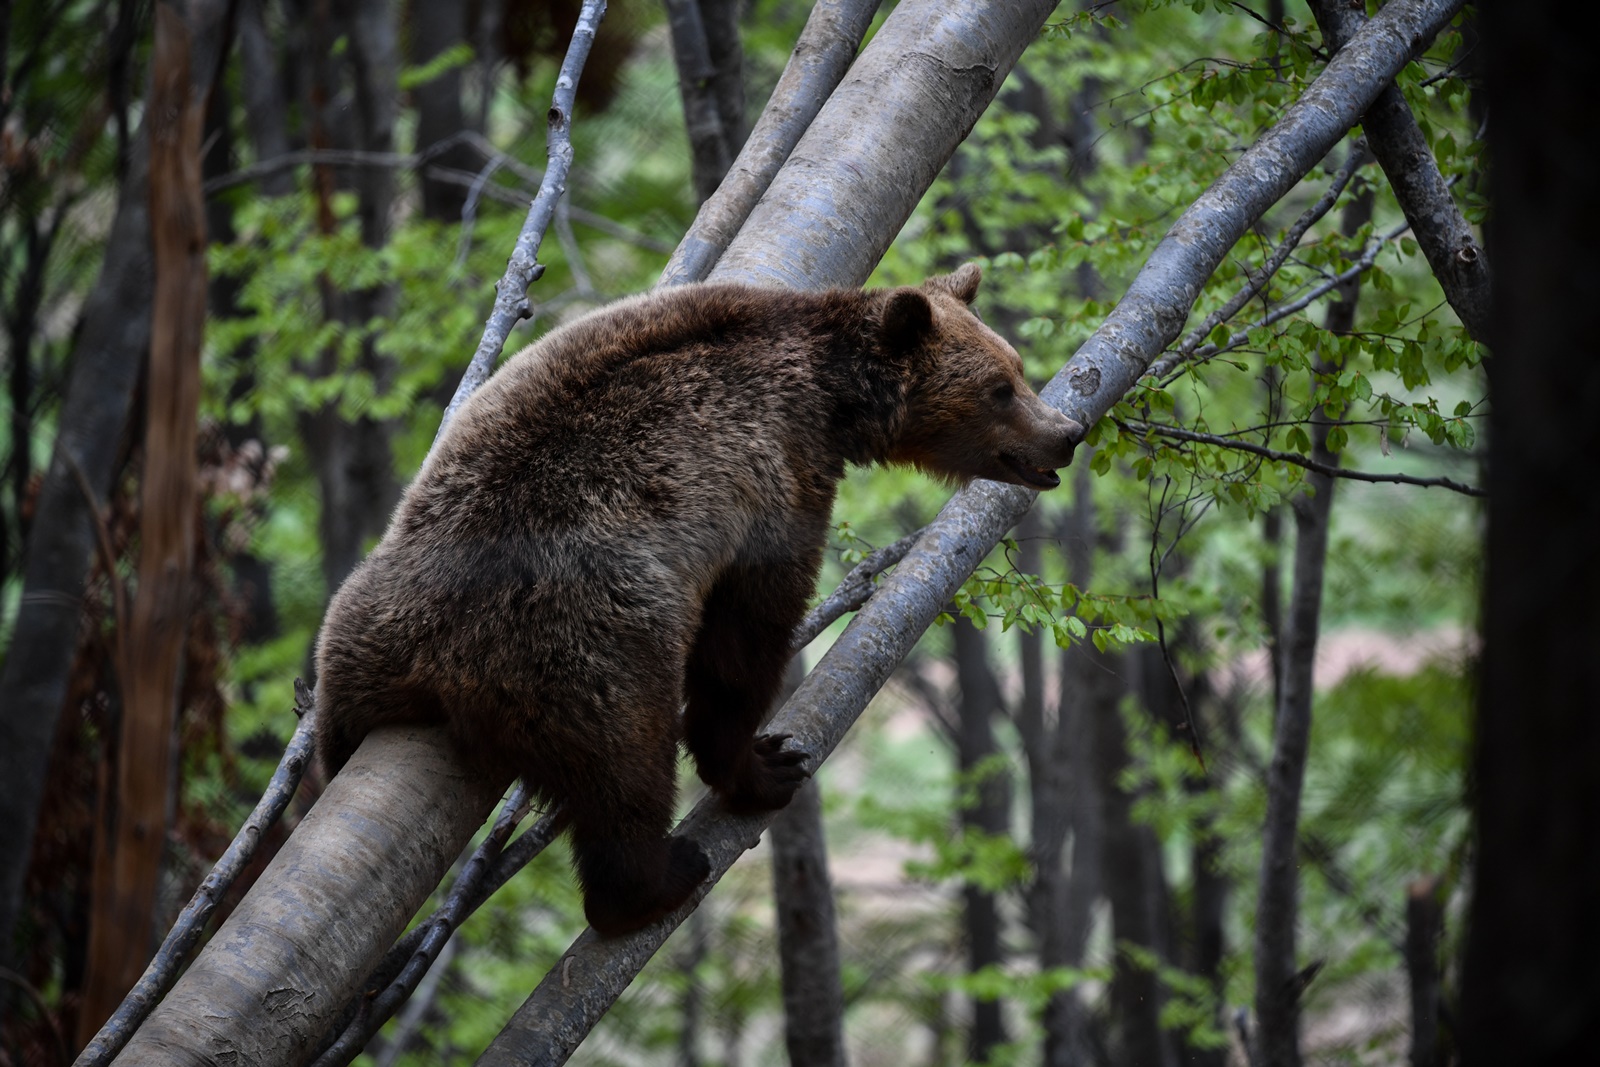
1037,477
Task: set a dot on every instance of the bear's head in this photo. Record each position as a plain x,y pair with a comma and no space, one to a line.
969,411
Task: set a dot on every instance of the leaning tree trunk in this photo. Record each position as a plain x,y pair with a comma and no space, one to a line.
851,182
1530,986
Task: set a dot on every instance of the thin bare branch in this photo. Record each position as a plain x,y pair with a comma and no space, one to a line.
1175,368
1177,434
523,269
853,591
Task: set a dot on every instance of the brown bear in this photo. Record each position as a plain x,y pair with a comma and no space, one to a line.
629,518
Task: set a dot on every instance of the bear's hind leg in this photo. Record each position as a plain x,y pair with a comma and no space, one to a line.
734,671
632,873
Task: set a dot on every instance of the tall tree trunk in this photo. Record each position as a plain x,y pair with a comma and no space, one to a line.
128,865
1278,986
108,355
710,59
1089,686
1530,987
436,26
989,814
808,941
808,936
1050,815
1135,884
352,457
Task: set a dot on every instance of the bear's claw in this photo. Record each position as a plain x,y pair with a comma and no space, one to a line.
771,777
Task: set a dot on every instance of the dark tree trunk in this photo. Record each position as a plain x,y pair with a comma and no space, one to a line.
264,95
808,936
705,45
1278,983
1530,985
1135,884
808,942
1049,808
437,26
1087,687
108,356
1424,924
695,930
352,458
975,745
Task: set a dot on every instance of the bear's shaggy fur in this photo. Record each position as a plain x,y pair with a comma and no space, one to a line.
630,517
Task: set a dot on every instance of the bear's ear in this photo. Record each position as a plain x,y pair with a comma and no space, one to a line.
962,284
907,320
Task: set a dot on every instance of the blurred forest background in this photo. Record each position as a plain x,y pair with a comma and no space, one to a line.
1045,835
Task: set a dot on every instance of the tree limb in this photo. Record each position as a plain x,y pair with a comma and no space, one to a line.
823,53
1446,238
185,933
1259,280
1333,471
511,293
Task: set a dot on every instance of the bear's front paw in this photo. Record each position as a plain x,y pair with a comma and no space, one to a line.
769,777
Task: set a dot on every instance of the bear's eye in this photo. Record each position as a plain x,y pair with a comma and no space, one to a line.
1003,392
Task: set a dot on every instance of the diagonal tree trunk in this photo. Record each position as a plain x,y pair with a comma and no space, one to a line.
1446,239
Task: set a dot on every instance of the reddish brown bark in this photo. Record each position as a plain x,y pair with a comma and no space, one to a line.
128,868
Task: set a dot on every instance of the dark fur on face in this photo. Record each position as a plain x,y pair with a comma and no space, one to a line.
629,518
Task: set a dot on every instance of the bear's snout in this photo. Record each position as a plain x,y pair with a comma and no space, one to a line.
1041,442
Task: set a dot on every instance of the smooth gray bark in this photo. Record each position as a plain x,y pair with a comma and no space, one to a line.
335,896
826,46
